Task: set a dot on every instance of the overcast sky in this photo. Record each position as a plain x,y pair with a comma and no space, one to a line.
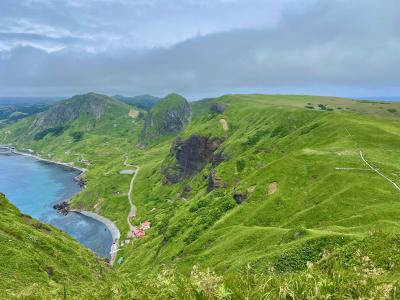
200,47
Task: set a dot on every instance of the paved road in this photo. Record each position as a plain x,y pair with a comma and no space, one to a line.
132,212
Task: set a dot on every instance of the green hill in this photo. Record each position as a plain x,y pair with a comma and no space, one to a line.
261,184
38,261
169,116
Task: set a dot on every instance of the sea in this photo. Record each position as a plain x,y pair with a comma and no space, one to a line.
34,186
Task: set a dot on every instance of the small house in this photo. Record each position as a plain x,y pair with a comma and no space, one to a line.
145,225
138,232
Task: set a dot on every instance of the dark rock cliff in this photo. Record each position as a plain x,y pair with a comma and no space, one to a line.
218,108
188,157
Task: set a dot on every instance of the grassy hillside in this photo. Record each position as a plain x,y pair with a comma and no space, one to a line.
286,186
269,140
38,261
167,117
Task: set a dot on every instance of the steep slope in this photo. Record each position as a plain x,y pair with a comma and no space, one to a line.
38,261
169,116
284,165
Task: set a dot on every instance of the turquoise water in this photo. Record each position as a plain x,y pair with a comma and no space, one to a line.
35,186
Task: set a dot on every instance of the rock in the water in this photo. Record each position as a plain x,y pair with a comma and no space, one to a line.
240,197
188,157
81,181
63,207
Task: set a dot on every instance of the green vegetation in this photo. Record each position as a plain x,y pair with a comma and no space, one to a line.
77,135
54,131
327,227
169,116
38,261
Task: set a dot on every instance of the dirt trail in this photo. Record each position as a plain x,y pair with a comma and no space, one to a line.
368,164
378,172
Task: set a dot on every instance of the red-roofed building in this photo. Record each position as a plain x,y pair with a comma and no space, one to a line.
138,232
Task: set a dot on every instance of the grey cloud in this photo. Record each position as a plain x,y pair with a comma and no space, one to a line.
330,47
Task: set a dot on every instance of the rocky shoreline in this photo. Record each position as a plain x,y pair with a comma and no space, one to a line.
63,207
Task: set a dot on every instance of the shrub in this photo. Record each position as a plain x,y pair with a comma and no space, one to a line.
77,135
280,131
392,110
254,139
309,128
240,165
292,235
55,131
309,251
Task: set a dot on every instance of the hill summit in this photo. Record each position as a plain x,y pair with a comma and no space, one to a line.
91,104
170,115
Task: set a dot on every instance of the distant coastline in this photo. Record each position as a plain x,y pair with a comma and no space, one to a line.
115,233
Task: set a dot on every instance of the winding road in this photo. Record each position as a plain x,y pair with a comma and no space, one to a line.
132,212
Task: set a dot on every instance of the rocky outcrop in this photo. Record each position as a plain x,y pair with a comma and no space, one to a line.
170,115
188,157
187,189
219,158
240,197
81,181
214,182
218,108
62,208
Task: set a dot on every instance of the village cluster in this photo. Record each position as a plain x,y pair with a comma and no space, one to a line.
139,231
